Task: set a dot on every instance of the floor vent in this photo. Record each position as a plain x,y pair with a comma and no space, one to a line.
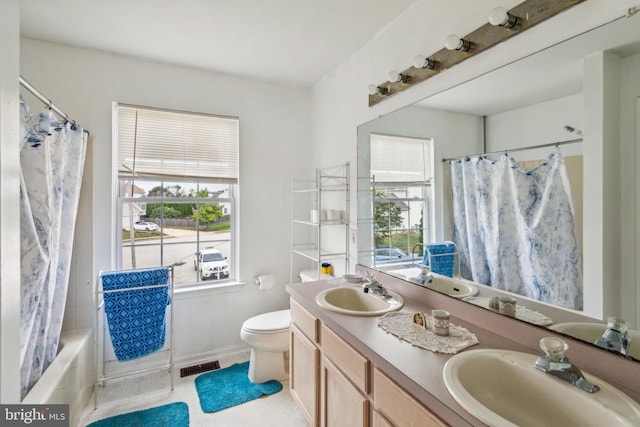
196,369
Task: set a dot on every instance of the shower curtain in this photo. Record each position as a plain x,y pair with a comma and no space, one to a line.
52,159
515,229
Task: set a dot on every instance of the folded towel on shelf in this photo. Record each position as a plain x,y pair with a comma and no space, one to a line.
440,257
136,318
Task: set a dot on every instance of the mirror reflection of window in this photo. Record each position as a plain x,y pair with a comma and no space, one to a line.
401,188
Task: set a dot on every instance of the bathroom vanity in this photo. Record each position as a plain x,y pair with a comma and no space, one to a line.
345,370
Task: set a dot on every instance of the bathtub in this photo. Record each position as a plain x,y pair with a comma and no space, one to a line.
69,379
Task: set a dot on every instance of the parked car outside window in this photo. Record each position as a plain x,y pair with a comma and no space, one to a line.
211,264
145,226
387,254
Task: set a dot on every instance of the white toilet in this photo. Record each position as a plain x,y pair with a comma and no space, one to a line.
268,336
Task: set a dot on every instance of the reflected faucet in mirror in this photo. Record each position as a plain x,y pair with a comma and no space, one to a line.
616,337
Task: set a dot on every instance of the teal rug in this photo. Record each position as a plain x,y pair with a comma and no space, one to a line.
171,415
229,387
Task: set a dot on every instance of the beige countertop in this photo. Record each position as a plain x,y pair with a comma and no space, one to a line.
417,370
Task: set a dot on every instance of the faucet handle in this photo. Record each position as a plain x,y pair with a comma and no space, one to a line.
617,324
554,348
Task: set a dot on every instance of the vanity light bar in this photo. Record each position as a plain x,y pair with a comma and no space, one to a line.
526,15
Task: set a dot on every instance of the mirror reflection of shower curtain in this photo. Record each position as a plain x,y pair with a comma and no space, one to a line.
52,160
515,229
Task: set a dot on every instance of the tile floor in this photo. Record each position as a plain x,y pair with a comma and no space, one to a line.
143,392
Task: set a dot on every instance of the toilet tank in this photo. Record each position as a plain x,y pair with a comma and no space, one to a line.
311,275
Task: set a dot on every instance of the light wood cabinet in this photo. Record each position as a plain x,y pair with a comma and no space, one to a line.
379,420
400,408
342,403
336,386
304,362
355,366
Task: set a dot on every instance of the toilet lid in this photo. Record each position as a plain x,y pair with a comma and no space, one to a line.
275,321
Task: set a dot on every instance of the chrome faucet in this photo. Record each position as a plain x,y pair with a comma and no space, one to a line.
374,286
556,363
424,277
424,247
616,337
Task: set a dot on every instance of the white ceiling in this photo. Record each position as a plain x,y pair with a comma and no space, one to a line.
293,42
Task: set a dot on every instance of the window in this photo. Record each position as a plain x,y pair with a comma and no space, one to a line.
401,183
176,202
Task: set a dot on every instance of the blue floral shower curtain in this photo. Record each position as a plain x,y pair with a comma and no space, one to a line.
515,229
52,160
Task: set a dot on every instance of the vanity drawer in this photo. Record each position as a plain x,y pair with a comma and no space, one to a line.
398,406
351,363
305,321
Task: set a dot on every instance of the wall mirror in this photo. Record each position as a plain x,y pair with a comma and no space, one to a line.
586,88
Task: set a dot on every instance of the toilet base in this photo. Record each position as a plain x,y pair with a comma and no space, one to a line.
266,365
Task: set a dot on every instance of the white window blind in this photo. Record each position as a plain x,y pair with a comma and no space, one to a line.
155,143
400,159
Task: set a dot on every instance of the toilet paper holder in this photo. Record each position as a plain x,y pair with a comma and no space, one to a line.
265,281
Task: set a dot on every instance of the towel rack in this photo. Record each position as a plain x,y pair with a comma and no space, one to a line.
123,281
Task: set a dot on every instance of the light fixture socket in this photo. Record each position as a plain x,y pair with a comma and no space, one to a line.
455,42
421,61
377,90
395,77
499,17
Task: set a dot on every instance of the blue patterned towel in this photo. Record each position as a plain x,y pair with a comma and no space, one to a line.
440,257
136,318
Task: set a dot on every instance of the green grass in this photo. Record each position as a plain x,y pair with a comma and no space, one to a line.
139,235
219,226
400,241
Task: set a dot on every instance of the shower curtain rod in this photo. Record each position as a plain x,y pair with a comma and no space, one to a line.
49,103
532,147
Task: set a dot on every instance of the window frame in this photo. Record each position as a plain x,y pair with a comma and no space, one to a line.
231,201
397,179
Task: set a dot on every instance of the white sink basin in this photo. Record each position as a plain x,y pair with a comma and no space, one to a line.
502,388
590,332
453,287
354,301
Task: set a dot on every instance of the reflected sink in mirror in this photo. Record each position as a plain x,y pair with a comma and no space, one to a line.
457,288
354,301
502,388
590,332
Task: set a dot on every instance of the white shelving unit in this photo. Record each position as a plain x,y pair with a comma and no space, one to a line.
325,240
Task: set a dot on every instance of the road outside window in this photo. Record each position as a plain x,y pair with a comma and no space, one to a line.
186,225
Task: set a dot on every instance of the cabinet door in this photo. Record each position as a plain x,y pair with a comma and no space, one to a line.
398,406
304,359
354,366
342,403
379,420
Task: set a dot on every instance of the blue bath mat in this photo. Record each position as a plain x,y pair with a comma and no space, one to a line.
171,415
229,387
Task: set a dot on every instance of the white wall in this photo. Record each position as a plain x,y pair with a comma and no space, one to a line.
630,182
9,204
536,124
274,134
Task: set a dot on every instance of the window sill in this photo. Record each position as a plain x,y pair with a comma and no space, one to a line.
214,287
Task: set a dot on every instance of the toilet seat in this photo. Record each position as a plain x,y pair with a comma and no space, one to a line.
268,323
